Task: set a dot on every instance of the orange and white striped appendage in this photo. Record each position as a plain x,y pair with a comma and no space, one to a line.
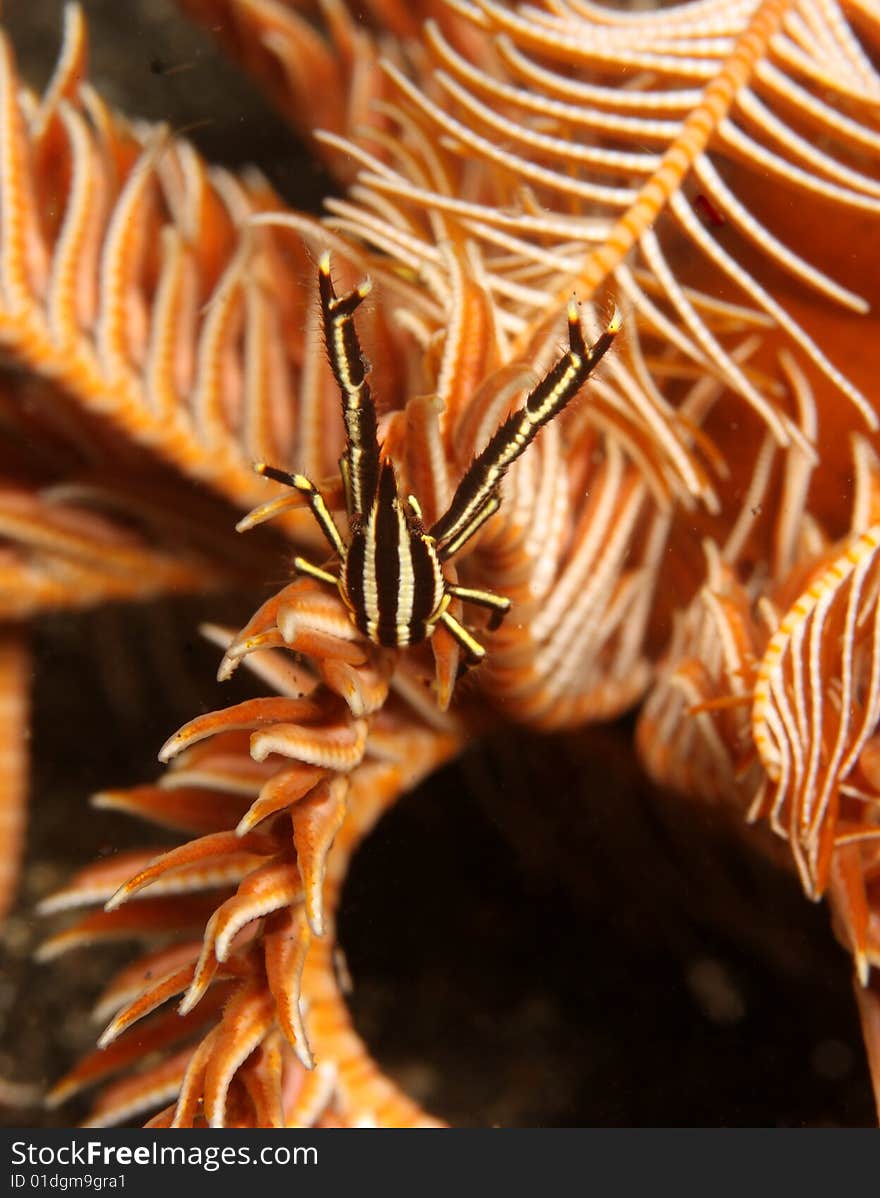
700,100
686,148
14,727
694,730
362,1095
80,305
817,702
259,989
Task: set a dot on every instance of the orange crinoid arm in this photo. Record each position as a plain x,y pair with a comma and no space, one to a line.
147,359
677,537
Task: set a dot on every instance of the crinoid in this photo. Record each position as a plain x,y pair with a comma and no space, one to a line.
697,532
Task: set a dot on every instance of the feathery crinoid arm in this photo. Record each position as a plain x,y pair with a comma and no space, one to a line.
167,344
238,1018
702,194
137,287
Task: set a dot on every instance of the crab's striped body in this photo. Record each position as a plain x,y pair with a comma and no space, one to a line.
390,570
390,576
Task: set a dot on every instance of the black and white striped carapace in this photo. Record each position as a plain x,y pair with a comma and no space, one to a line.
391,568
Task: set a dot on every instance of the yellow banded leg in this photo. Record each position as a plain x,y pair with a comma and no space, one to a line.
464,638
314,498
499,605
449,548
303,566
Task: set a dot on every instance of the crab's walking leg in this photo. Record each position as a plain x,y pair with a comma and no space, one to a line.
302,565
314,498
499,605
464,638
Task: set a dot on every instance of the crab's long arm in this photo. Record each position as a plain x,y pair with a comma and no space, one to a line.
477,494
360,461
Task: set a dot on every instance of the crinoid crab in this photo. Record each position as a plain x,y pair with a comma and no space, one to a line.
599,436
